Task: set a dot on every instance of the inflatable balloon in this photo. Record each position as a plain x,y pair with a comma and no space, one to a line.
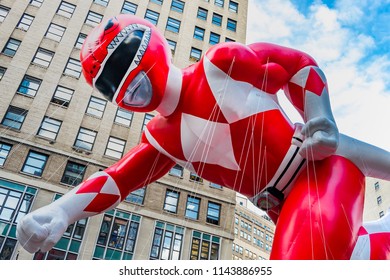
221,119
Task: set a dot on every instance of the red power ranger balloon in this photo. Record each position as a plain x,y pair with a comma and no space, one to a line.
221,118
111,59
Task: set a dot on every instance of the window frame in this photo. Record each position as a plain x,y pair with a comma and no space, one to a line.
113,142
32,87
171,201
11,47
17,111
73,68
50,123
195,202
93,19
129,8
5,149
43,58
55,32
96,107
81,143
25,22
152,16
211,218
66,9
71,168
43,158
62,91
173,25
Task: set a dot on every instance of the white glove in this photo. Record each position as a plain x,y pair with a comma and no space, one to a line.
41,229
321,138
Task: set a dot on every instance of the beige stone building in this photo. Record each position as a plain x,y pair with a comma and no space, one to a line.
253,232
377,200
56,131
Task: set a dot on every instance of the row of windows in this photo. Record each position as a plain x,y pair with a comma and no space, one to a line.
117,236
248,254
193,203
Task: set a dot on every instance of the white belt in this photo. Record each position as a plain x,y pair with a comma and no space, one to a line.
280,185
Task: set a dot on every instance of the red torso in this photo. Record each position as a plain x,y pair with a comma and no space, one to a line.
225,128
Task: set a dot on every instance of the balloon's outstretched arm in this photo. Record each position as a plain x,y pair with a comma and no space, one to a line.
42,228
371,160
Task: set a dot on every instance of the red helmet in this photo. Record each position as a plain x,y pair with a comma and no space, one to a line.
127,60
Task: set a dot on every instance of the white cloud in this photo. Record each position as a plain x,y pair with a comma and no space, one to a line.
357,83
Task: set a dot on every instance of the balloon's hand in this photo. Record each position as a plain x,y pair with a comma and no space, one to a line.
41,229
321,138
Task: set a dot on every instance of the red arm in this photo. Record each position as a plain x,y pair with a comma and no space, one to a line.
306,87
104,190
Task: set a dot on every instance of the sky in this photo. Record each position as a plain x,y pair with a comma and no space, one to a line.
350,40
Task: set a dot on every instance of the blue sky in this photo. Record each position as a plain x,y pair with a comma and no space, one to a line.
350,39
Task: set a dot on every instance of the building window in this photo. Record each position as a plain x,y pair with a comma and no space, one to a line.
202,13
15,202
73,174
4,152
173,25
11,47
115,147
36,3
231,25
2,72
3,13
171,201
129,8
199,33
66,9
73,68
96,107
172,46
93,18
147,119
177,6
80,41
204,246
62,96
195,54
177,171
215,186
167,242
157,1
29,86
14,117
55,32
68,247
123,117
233,6
381,214
195,178
102,2
85,139
213,213
214,38
137,196
152,16
229,40
117,236
25,22
219,3
192,207
35,163
43,57
49,128
379,200
217,19
376,186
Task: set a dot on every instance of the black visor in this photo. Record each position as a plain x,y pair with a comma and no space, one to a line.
118,63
